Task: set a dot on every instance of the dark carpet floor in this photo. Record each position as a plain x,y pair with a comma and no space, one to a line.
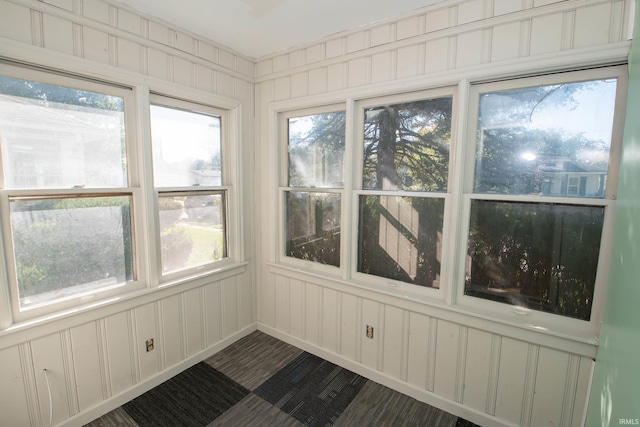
262,381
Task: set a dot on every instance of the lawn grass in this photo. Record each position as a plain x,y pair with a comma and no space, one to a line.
206,242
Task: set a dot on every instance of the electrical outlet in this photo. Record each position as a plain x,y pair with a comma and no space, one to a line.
369,332
149,344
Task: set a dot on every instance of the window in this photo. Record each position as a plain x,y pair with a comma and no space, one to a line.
65,167
545,161
405,176
188,175
315,149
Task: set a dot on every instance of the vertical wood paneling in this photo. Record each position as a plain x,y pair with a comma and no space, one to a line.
224,84
418,350
267,296
336,77
96,45
299,85
47,354
182,71
408,27
118,348
312,295
358,72
315,53
128,55
317,81
349,326
335,48
446,359
193,321
58,34
145,328
213,313
470,11
282,303
357,41
369,347
585,371
408,61
546,34
505,42
436,55
296,308
380,35
230,301
477,369
246,306
88,370
204,78
469,49
503,7
589,30
394,332
15,22
282,88
172,339
330,320
14,409
551,375
382,67
511,379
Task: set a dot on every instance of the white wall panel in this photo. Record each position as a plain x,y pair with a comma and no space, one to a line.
47,353
382,66
96,10
370,347
297,308
331,312
119,352
224,85
204,78
315,53
469,49
129,22
505,41
182,71
157,64
336,77
15,22
14,408
436,56
58,34
546,34
409,27
146,328
193,321
511,379
312,312
283,88
410,60
393,334
357,41
213,312
350,326
418,350
171,322
96,45
446,365
282,303
299,85
358,72
437,20
129,55
589,30
317,81
477,369
550,383
381,34
231,304
335,48
88,365
470,11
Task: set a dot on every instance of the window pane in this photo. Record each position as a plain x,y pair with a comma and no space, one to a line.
406,146
70,246
550,140
186,148
316,150
313,227
400,238
58,137
192,230
539,256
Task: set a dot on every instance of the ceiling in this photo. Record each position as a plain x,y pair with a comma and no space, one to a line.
256,28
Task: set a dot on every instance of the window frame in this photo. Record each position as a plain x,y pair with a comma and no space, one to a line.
132,190
284,188
382,283
227,189
513,314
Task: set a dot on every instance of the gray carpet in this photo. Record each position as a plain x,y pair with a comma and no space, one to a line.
262,381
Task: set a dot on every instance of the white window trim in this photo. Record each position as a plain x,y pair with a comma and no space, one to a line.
133,190
229,175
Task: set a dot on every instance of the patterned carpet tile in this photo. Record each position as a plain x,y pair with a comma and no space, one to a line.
312,390
253,359
192,398
116,418
254,411
380,406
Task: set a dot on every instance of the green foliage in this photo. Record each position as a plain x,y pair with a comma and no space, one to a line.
176,245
